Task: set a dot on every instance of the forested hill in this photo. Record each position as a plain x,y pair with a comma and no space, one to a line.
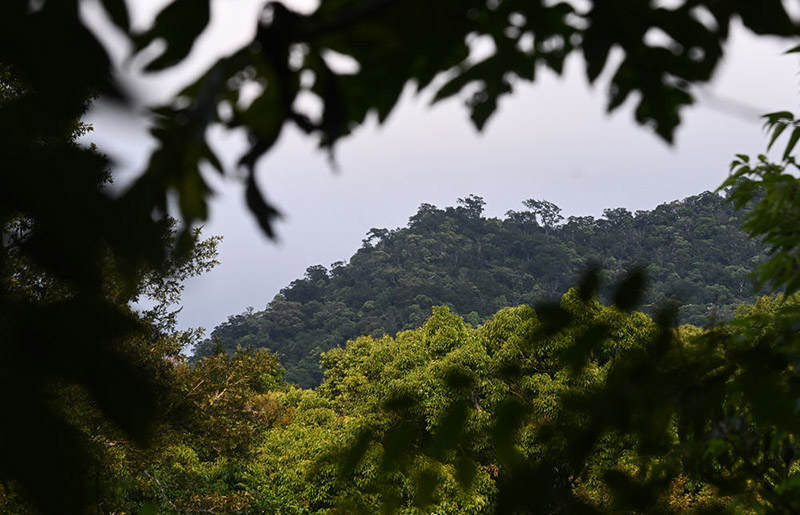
694,249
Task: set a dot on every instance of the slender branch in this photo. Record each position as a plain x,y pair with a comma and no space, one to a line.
161,488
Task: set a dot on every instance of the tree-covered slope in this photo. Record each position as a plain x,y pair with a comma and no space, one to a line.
694,250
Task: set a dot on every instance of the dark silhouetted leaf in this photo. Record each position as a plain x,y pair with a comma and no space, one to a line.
118,12
179,25
589,283
553,318
354,452
629,291
264,212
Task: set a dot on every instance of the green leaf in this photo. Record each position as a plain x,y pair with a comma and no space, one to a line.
630,290
779,128
427,482
397,444
179,25
264,212
354,452
553,318
778,115
792,142
589,283
465,473
449,430
149,508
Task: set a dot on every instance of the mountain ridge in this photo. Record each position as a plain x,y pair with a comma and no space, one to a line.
693,249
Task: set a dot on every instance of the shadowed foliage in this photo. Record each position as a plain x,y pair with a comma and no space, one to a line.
89,249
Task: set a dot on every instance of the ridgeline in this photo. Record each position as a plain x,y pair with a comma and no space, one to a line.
694,252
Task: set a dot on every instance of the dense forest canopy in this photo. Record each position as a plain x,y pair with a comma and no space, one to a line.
94,382
449,418
694,251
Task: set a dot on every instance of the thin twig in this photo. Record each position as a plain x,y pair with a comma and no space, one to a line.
161,488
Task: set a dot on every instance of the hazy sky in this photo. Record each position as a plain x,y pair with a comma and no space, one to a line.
549,141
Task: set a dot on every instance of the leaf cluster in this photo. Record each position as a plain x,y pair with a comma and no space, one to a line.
357,57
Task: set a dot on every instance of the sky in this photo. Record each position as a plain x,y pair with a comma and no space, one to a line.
551,140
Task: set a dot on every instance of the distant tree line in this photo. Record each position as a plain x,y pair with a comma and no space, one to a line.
694,251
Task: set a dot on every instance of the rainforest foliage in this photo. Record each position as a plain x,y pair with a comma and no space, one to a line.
694,250
451,418
94,382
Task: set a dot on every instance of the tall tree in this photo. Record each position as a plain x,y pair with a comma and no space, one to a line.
546,213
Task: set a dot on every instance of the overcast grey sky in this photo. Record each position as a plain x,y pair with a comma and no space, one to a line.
550,141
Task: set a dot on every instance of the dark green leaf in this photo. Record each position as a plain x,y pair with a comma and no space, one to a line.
118,12
630,290
265,213
179,25
793,139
